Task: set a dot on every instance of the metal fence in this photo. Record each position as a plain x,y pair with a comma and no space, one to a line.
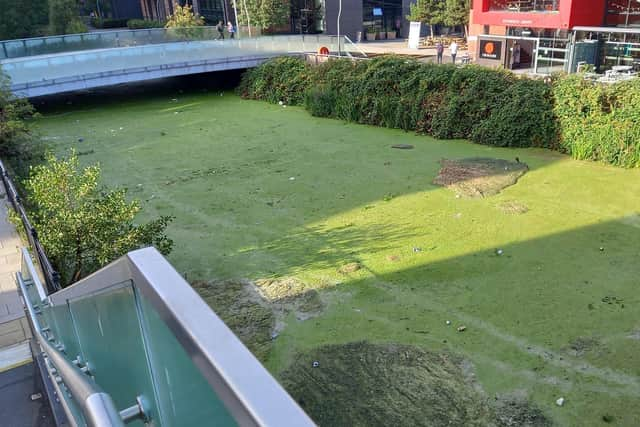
36,46
134,344
101,40
51,276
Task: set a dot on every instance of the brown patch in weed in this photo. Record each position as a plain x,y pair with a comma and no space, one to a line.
582,345
479,177
513,208
289,295
242,311
515,410
405,384
256,312
352,267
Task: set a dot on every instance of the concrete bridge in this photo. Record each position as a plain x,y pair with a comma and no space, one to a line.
50,65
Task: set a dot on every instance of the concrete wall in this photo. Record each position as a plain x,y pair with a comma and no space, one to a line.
351,21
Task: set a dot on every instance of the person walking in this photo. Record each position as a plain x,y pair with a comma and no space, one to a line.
220,28
440,51
453,49
231,30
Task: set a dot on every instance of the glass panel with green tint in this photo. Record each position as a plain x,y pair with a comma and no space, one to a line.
184,396
109,330
65,331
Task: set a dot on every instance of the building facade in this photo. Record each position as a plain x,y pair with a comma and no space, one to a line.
555,35
367,19
212,10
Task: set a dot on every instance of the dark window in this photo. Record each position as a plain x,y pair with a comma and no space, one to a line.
524,5
382,15
212,11
623,13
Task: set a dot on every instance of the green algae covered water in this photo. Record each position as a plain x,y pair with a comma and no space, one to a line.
270,196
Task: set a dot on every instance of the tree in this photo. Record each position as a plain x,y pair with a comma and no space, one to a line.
21,19
82,225
427,11
185,22
63,17
14,133
183,17
264,13
456,12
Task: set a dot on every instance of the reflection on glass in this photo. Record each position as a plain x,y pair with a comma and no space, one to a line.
524,5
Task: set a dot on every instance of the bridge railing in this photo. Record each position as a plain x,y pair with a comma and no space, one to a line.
101,40
134,343
21,48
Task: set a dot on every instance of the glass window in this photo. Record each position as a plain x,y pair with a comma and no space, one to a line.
524,5
623,13
382,15
212,10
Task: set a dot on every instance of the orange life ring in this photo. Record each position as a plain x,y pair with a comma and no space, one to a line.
323,50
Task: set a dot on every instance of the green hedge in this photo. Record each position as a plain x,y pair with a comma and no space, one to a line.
138,24
108,23
487,106
599,122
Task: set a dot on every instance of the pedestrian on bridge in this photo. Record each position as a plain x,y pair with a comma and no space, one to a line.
453,49
220,28
231,29
439,51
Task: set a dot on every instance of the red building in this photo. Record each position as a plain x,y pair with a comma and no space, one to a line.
541,35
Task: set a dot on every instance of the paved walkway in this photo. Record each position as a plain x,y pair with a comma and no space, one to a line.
14,328
400,47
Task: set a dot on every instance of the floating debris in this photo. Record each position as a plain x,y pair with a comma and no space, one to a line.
315,364
560,401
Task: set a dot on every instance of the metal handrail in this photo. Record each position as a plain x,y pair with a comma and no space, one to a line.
51,276
32,42
97,406
249,392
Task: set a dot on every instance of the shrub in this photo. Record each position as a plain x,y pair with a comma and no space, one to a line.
76,27
22,19
599,122
183,17
523,117
82,225
15,137
108,23
62,15
283,79
138,24
320,100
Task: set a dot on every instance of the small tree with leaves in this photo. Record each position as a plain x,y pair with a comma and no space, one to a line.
427,11
184,17
14,132
82,225
185,22
456,12
264,13
64,17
